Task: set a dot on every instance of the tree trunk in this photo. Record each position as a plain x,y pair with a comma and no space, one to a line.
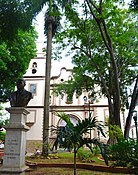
132,106
116,103
47,89
108,44
75,161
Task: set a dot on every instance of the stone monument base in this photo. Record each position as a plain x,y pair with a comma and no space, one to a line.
15,142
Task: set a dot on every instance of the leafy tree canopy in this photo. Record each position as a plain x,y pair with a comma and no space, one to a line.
85,39
15,56
15,14
17,41
102,37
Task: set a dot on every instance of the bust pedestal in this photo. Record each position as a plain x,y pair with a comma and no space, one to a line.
15,142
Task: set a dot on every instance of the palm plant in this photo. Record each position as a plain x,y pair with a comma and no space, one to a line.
75,135
50,29
52,18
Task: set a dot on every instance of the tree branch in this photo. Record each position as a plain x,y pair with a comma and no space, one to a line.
97,9
99,25
99,73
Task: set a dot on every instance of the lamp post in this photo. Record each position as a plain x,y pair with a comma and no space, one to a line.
85,101
135,121
90,101
89,108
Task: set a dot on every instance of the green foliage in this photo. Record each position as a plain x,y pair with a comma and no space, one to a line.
3,122
92,42
92,35
125,154
1,110
17,15
15,57
96,150
53,17
2,136
115,134
76,136
3,119
84,155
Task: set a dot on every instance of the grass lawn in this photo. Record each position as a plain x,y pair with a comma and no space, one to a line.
63,158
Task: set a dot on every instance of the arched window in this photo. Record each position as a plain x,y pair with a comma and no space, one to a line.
73,119
70,78
34,67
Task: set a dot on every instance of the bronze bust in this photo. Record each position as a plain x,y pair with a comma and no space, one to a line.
21,97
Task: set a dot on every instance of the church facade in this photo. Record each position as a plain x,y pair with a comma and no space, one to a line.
78,109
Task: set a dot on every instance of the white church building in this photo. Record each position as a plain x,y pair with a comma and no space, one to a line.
78,109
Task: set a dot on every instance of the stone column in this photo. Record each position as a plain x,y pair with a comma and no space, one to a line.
15,142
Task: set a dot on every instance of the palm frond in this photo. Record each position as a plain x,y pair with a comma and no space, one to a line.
74,135
85,125
102,147
56,17
100,128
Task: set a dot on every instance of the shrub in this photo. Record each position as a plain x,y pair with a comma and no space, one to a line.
115,134
84,155
96,150
2,136
125,154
